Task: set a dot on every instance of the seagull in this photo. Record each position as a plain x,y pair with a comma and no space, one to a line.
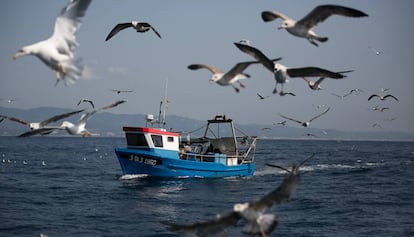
315,85
86,100
229,78
38,125
58,51
306,123
121,91
281,72
353,91
382,97
282,93
281,123
262,97
72,129
377,108
254,213
8,100
138,26
377,52
304,27
80,129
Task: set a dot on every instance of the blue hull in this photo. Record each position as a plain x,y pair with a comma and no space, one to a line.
161,163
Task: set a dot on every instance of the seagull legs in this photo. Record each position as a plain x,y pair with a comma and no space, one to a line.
60,73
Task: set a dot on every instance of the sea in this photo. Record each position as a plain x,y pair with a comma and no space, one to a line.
72,186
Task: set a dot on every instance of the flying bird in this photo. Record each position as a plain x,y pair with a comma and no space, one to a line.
121,91
87,101
262,97
254,213
281,72
280,123
303,28
306,123
38,126
229,78
316,85
138,26
382,97
58,51
72,129
282,93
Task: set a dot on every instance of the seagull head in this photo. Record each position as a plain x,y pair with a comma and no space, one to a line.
23,51
240,207
286,24
216,77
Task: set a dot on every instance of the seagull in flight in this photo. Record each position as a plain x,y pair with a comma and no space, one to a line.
121,91
75,129
79,129
138,26
281,72
306,123
37,126
259,223
262,97
87,101
303,28
58,51
229,78
382,97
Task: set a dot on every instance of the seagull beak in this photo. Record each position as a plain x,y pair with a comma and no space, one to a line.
18,54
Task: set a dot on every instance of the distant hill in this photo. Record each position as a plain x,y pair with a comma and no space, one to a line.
109,124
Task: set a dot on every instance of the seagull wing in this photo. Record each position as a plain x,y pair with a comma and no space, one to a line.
389,95
58,117
14,119
272,15
284,191
206,228
313,72
212,69
317,116
44,130
239,68
116,103
152,28
322,12
291,119
117,29
372,96
67,23
258,55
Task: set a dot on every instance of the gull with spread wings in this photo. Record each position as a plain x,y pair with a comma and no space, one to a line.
35,126
304,27
254,213
75,129
281,72
305,123
58,51
138,26
229,78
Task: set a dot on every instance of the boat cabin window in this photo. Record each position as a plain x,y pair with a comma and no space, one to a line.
136,139
157,140
170,139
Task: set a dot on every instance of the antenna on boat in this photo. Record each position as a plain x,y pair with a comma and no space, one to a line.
166,101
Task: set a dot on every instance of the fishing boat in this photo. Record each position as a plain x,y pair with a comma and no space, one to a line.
219,152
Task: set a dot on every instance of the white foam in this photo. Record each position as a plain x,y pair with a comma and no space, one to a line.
133,176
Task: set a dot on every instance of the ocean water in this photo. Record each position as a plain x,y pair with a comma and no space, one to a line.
62,186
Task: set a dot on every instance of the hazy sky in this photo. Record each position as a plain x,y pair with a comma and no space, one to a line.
203,32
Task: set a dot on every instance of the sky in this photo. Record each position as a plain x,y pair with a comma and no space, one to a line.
203,32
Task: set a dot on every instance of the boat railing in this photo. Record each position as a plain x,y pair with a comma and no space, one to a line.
212,150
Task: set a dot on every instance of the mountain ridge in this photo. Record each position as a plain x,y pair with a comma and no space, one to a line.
110,124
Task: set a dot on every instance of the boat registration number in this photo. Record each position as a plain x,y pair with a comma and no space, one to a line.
145,160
